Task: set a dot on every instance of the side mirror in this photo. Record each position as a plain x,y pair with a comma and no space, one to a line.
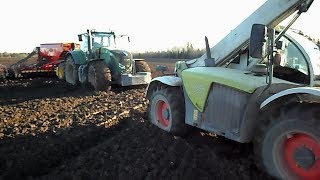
80,37
257,41
128,38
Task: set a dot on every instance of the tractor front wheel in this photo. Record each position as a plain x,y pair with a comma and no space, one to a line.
99,76
289,146
71,71
167,110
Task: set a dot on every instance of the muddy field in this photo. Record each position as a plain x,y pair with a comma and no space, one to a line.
50,130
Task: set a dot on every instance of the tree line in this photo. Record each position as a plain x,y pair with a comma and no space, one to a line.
314,40
186,52
13,55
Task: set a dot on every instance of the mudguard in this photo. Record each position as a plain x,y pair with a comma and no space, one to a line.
78,56
300,90
168,80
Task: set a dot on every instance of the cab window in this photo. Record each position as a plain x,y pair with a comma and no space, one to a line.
292,65
292,57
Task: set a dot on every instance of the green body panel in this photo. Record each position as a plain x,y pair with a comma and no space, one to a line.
197,82
78,56
113,62
105,54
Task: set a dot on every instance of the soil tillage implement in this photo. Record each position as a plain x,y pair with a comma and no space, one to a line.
42,61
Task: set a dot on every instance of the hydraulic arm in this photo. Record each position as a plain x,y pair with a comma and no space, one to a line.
270,13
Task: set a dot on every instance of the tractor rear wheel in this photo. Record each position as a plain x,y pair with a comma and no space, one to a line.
142,66
289,145
71,71
61,71
99,76
167,110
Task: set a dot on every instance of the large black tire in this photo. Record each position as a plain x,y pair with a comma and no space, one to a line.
71,71
99,76
142,66
288,146
167,110
61,71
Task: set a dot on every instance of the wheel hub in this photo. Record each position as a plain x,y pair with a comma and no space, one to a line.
165,113
304,157
302,154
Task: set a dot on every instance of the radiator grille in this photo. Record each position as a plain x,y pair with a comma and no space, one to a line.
224,108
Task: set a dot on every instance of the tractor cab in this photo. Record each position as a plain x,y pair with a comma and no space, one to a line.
102,45
93,40
293,57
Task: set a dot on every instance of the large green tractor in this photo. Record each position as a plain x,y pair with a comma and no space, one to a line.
98,63
256,86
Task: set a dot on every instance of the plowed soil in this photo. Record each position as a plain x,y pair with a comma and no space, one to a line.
50,130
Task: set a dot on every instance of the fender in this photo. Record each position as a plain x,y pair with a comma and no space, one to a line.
167,80
78,56
299,90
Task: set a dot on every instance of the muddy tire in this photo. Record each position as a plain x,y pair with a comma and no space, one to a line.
17,74
288,146
61,71
167,110
99,76
142,66
71,71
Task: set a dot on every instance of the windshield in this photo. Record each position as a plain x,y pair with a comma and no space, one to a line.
103,40
292,57
99,39
310,48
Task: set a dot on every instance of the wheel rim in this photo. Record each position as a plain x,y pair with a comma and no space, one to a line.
69,73
302,156
60,73
163,113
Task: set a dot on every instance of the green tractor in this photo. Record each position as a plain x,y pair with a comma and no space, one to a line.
256,86
99,64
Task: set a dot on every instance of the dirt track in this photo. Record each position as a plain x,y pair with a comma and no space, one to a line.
50,130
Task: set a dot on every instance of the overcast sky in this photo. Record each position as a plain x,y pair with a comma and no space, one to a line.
151,25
